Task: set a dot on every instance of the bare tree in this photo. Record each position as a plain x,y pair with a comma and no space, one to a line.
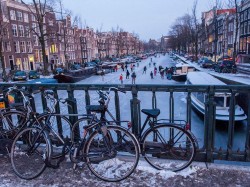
235,4
196,27
40,9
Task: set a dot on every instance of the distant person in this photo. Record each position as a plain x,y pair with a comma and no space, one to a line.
137,64
121,78
131,67
162,73
154,64
102,74
126,66
122,67
155,71
151,75
127,74
133,77
144,70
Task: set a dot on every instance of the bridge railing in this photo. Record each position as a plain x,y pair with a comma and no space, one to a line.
175,103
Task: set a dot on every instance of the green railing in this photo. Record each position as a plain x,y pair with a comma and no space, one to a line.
165,98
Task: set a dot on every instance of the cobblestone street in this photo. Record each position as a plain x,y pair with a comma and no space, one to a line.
197,175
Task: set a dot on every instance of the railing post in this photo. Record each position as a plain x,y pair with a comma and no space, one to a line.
247,146
31,100
72,105
188,115
210,124
87,99
154,101
117,107
135,112
171,106
231,125
44,102
57,110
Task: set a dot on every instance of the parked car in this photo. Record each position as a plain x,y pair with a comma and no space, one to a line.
207,63
20,76
225,66
34,75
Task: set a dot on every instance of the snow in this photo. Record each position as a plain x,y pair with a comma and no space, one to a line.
203,78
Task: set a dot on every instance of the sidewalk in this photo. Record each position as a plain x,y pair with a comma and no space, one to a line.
146,176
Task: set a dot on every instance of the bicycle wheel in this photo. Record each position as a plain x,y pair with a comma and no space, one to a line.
10,122
78,132
169,147
29,150
59,133
114,156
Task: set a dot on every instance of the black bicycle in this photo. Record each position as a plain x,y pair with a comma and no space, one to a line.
164,144
111,152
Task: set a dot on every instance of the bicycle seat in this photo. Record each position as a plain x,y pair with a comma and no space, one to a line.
95,108
151,112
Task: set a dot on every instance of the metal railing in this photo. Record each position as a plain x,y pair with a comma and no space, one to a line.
164,98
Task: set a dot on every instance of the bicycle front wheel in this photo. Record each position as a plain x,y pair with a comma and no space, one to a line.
112,154
169,147
29,150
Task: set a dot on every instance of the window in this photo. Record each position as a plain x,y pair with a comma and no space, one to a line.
14,30
27,31
26,17
16,47
22,47
7,47
35,40
245,26
34,27
19,16
5,32
12,15
21,30
33,18
29,47
230,39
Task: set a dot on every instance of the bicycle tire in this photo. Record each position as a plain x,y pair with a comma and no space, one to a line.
164,144
118,164
58,147
29,151
10,123
78,132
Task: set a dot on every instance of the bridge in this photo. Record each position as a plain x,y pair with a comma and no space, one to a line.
162,97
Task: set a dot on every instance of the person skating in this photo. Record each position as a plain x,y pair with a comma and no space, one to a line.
155,71
144,70
102,74
151,75
133,77
121,79
127,74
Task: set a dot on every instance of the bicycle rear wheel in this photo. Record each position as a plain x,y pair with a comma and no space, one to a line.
114,156
10,122
59,134
29,150
169,147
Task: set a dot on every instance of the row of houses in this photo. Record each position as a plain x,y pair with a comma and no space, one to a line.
65,43
220,29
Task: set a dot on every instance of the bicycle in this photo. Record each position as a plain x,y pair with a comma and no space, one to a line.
110,152
162,141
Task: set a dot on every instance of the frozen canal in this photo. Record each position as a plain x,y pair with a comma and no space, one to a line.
162,101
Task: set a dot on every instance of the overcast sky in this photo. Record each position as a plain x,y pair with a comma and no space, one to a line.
148,18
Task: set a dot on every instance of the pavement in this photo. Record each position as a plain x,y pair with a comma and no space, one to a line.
198,174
